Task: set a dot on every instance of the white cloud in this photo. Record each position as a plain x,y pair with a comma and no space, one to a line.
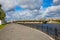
25,15
19,15
56,2
29,4
53,11
32,7
50,12
7,4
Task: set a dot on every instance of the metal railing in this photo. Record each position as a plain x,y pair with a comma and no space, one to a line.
51,31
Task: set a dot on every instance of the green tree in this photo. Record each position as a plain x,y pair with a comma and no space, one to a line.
2,14
44,21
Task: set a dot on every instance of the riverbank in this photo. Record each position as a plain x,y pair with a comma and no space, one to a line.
54,22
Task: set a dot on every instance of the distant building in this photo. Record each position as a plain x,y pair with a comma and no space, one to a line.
0,22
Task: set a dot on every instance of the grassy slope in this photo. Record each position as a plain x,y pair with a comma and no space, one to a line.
2,26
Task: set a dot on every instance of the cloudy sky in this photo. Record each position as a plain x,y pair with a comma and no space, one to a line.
30,9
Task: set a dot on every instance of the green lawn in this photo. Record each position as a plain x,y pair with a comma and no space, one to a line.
2,26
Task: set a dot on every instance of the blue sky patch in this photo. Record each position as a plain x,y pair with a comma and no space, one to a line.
47,3
18,8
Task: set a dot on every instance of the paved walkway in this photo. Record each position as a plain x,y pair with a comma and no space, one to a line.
21,32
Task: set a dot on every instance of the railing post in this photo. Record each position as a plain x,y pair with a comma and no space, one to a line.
56,34
47,30
42,27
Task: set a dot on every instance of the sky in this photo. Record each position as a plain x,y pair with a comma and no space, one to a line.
30,9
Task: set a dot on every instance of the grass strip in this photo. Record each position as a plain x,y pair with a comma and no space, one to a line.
2,26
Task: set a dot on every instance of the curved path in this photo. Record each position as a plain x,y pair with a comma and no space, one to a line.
20,32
